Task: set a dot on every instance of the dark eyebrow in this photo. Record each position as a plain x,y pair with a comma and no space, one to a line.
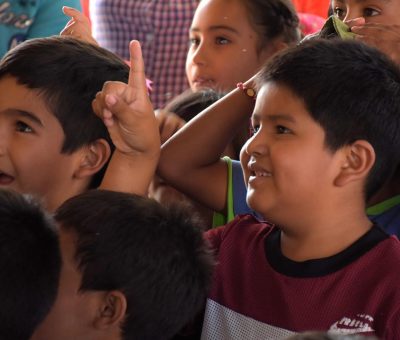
216,28
30,116
274,118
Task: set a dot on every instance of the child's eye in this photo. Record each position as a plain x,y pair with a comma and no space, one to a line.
22,127
254,129
194,41
282,130
370,12
339,12
221,41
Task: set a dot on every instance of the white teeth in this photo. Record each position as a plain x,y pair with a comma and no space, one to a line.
263,174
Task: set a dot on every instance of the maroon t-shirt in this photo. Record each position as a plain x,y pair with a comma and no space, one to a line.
259,293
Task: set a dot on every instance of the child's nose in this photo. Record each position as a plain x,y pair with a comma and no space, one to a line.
199,56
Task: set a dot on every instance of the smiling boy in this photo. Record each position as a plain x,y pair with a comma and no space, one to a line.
52,144
320,149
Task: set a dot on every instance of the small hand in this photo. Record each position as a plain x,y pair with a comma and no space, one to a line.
127,112
385,38
78,26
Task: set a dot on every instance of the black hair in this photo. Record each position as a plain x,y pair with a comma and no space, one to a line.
188,104
155,255
273,19
352,91
30,264
67,73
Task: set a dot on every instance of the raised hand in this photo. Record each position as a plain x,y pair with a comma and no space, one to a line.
126,109
127,112
78,26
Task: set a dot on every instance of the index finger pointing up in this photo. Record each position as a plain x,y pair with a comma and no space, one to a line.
137,78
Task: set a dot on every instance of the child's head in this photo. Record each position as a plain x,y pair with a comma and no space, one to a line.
52,143
231,39
29,265
131,269
374,11
187,105
326,111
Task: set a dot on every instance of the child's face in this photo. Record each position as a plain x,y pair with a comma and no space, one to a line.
223,46
31,140
374,11
286,165
71,315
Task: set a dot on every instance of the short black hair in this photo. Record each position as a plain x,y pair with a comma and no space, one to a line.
155,255
352,91
30,265
273,19
67,73
188,104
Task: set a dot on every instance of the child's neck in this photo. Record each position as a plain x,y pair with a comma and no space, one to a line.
327,239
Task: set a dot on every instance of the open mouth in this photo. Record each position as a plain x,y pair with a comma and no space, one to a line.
203,82
5,179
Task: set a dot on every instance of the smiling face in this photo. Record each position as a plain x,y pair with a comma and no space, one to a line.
286,165
223,48
31,140
374,11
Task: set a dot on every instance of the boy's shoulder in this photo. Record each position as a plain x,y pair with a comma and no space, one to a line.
243,229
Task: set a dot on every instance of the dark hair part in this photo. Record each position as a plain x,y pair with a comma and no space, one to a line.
188,104
273,19
67,73
30,264
154,255
352,91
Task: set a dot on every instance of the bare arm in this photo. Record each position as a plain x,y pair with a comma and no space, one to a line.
190,159
128,114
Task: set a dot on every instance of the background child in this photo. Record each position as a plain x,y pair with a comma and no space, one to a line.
22,20
52,143
175,115
231,39
29,265
375,23
131,269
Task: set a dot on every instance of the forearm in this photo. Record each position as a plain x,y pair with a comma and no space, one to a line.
190,160
130,173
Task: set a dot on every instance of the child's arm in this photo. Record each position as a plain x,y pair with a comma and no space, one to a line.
384,37
128,114
190,160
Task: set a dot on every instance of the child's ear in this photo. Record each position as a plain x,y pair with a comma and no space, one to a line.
94,156
359,158
112,311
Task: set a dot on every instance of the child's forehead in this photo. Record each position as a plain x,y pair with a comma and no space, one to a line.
17,96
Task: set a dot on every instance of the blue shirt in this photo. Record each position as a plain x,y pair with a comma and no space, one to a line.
24,19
